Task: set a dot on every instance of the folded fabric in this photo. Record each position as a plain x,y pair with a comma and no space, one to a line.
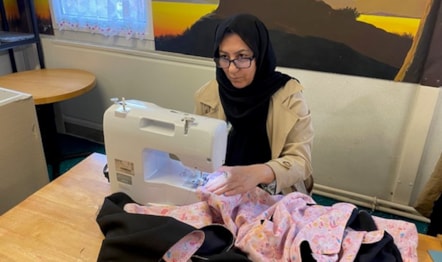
263,227
140,237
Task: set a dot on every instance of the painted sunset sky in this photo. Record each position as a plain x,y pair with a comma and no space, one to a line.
174,17
394,16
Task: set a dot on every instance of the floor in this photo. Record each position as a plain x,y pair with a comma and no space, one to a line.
71,145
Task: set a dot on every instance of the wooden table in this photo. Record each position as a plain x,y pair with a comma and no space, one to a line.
428,243
57,223
48,86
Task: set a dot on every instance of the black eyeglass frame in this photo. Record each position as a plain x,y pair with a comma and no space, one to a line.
217,59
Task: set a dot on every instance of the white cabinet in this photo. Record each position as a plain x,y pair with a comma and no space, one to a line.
23,168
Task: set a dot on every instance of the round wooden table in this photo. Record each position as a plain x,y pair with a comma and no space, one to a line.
48,86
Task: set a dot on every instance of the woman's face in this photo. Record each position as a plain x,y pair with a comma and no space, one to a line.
233,47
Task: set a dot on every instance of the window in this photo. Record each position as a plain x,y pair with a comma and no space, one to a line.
130,19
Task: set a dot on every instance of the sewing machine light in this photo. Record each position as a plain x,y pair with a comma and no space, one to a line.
114,100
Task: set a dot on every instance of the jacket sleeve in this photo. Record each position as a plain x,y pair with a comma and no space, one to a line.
431,191
293,128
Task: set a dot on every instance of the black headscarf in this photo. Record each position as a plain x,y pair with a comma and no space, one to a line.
246,108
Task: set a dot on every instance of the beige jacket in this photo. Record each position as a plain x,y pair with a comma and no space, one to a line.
289,127
431,191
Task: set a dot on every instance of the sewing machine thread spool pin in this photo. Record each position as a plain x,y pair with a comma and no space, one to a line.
188,120
121,102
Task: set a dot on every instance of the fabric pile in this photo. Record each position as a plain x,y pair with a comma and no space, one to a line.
252,227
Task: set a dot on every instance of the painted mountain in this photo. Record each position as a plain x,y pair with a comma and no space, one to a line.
306,34
407,8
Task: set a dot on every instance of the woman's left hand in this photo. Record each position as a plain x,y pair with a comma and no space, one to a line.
240,179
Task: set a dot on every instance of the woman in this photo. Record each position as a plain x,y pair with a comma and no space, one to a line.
271,135
429,200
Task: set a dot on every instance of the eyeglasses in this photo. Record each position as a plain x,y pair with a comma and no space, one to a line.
240,63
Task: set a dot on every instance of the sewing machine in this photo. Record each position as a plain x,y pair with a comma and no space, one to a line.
158,155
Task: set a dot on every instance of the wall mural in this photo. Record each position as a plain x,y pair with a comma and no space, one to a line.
17,21
371,38
357,37
432,65
44,16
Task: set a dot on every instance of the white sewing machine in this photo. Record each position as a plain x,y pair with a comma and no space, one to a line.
158,155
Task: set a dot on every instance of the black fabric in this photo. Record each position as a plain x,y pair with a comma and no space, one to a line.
246,108
383,250
140,237
361,220
306,252
435,226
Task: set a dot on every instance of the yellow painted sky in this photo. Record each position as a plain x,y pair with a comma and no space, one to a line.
174,18
11,9
42,9
397,25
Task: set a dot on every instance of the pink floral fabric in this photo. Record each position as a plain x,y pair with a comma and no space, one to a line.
185,247
272,227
